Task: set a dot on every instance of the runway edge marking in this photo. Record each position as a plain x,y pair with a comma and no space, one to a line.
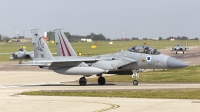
113,106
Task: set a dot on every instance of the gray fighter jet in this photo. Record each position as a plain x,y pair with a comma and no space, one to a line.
180,48
69,63
21,54
132,60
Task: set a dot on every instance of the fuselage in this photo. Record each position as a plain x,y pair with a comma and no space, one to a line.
149,61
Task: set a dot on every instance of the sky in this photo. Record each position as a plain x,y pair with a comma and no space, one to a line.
136,18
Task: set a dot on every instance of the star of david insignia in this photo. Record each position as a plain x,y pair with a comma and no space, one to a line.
148,58
36,34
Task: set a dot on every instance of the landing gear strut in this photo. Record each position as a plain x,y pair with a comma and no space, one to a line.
135,75
82,81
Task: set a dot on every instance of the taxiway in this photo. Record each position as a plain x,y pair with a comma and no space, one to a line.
18,79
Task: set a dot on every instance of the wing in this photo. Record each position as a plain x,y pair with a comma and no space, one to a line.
125,61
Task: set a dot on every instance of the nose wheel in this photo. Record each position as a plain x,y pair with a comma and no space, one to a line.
20,61
135,82
101,80
82,81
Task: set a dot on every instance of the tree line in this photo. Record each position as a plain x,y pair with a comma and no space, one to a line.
93,36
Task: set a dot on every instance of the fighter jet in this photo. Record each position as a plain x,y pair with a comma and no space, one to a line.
133,60
180,48
64,49
70,64
21,54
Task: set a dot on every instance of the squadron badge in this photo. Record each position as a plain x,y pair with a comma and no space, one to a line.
143,59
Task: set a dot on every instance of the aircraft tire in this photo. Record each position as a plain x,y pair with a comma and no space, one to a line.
135,82
101,81
176,52
183,52
82,81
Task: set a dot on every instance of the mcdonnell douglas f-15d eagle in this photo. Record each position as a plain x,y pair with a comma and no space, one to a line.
71,64
180,48
21,54
130,61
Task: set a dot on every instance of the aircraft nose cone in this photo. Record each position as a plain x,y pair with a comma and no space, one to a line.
175,63
20,55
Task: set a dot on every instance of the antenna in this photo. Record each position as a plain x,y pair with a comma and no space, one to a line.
24,33
123,34
14,31
186,42
22,42
0,35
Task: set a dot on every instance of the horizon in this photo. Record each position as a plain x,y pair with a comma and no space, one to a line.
113,18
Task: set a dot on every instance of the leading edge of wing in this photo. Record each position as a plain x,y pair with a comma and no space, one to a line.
31,64
128,59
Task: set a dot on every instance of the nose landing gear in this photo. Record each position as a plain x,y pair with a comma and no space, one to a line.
135,75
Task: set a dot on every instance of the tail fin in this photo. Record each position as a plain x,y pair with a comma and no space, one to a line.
63,46
41,50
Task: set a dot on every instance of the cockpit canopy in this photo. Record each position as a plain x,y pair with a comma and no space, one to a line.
144,49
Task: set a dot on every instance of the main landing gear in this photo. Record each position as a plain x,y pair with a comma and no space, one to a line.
82,81
101,80
135,75
177,52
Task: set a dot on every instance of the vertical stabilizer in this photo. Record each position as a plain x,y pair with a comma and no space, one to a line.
41,50
63,46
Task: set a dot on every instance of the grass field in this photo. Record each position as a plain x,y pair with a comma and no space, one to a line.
102,46
170,94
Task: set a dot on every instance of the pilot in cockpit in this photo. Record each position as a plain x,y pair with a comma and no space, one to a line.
21,49
133,49
146,50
